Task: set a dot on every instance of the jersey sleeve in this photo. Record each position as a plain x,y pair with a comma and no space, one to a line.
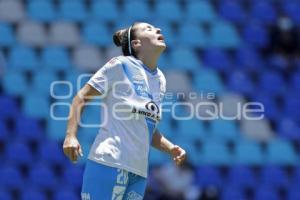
104,78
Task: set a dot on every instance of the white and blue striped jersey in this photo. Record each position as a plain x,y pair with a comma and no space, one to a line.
133,95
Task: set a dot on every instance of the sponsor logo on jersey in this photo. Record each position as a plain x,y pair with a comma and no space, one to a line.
151,111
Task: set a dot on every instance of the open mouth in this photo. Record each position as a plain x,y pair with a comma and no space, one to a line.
161,38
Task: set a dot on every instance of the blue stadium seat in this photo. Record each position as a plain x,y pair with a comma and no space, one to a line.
241,176
73,10
240,82
73,176
217,59
259,10
291,9
271,109
224,35
8,107
55,57
295,82
105,11
55,129
296,176
23,58
208,81
184,59
64,90
168,11
10,177
215,153
223,130
51,152
42,10
28,129
291,106
274,177
288,129
281,152
256,35
63,194
42,80
4,136
15,83
169,34
137,10
232,11
242,155
7,35
156,158
248,58
293,193
195,132
263,193
96,33
166,128
32,194
48,180
231,192
13,150
73,77
278,61
5,195
267,81
192,35
36,105
200,11
193,150
208,176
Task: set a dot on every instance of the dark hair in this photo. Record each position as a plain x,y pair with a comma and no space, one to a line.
120,39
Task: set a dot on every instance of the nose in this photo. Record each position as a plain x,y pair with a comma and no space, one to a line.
158,30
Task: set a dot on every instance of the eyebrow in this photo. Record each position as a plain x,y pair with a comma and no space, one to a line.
149,26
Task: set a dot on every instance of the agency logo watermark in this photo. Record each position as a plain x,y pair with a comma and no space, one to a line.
112,103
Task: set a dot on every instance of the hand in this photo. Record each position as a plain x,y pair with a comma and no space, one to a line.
72,148
178,154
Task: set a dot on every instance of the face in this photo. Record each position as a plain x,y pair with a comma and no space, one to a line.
148,38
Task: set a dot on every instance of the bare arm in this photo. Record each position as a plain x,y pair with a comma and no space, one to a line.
71,146
163,144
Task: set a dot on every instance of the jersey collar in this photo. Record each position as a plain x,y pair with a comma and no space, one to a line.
137,61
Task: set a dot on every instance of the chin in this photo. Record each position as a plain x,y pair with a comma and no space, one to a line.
162,46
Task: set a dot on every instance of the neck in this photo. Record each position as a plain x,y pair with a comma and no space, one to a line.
149,60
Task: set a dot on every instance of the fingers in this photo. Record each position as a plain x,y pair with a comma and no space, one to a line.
72,149
73,153
80,151
179,155
70,152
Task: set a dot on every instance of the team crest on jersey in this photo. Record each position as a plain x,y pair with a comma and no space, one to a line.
140,88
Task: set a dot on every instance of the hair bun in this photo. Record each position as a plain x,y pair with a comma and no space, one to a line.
117,37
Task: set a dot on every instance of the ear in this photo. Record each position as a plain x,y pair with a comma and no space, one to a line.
135,43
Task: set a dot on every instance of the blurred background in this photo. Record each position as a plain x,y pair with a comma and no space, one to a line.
241,51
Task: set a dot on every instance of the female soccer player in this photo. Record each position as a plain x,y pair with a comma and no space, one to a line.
132,88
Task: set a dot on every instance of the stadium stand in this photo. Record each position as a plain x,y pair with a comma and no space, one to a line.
220,46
